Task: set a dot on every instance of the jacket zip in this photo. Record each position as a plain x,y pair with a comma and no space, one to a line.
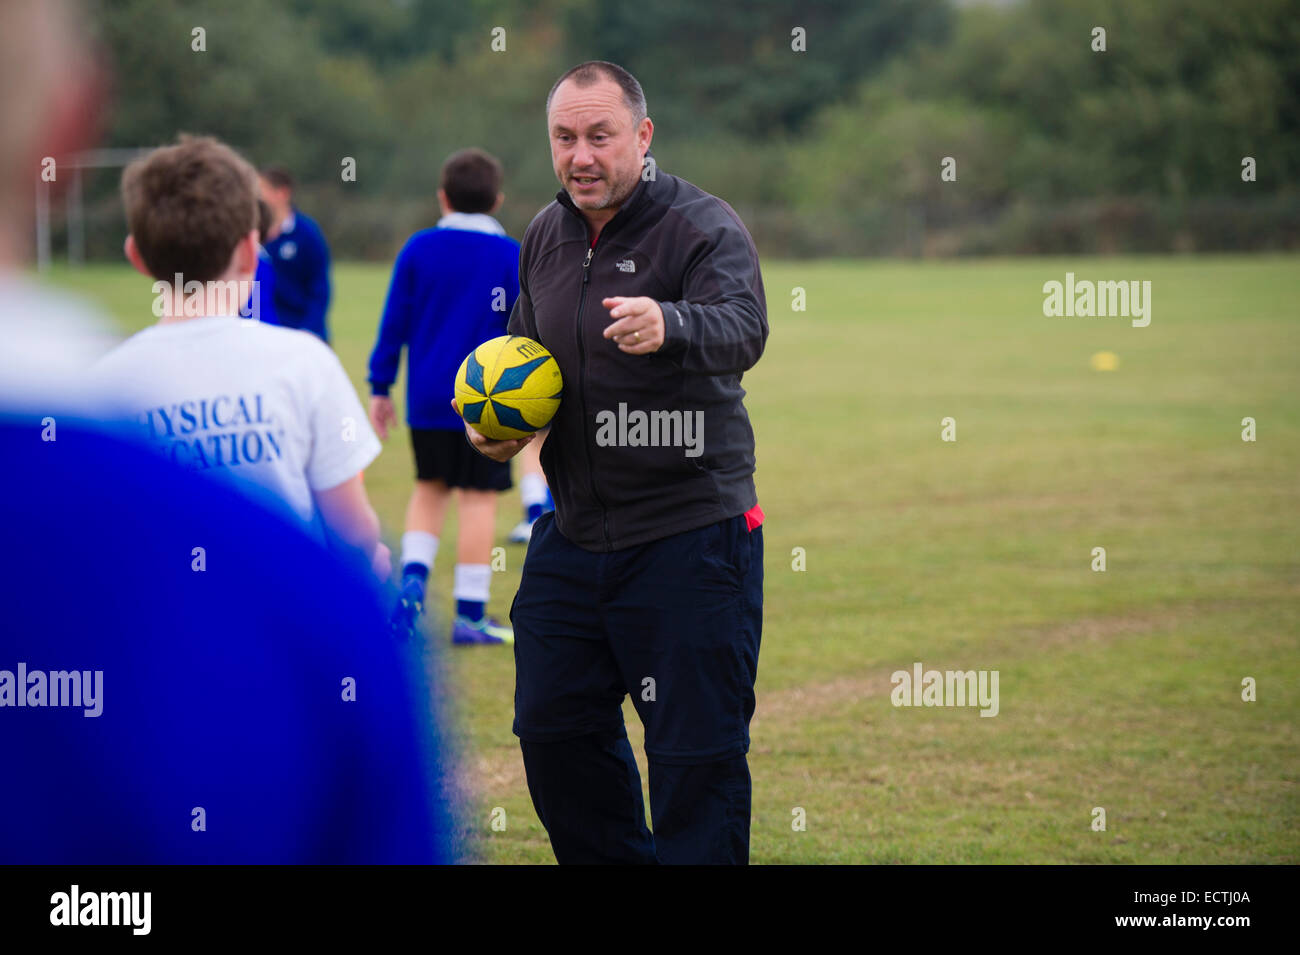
582,391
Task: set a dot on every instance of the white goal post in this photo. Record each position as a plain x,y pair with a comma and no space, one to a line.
73,202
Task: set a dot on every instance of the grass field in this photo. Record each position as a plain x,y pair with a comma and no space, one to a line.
1119,690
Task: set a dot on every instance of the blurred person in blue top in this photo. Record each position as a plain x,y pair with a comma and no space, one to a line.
217,687
452,289
299,255
221,689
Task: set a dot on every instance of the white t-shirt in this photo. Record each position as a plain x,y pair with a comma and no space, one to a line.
48,342
258,402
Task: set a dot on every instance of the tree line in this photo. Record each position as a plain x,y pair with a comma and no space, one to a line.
843,127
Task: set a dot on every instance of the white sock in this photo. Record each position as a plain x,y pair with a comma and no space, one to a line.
473,581
532,489
419,547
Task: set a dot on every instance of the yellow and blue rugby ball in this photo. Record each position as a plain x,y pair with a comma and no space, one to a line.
508,387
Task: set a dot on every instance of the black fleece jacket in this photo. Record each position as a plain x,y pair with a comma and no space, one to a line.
622,475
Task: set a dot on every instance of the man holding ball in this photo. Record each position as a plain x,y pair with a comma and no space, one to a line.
647,578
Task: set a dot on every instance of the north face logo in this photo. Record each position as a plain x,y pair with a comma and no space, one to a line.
627,265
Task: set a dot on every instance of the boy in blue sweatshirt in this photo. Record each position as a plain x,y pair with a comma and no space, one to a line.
300,257
452,289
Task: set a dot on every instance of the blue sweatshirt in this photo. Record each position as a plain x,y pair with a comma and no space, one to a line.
229,690
302,275
453,288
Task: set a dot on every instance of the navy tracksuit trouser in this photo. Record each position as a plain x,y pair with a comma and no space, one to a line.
676,623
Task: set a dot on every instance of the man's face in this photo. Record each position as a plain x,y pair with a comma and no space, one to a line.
596,148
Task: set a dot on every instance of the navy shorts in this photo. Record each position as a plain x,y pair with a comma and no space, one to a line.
675,622
447,456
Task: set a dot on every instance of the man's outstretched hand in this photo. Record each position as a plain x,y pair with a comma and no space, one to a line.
638,328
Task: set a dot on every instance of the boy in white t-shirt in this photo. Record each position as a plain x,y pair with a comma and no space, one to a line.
219,392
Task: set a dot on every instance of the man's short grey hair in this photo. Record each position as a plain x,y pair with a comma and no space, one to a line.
592,72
